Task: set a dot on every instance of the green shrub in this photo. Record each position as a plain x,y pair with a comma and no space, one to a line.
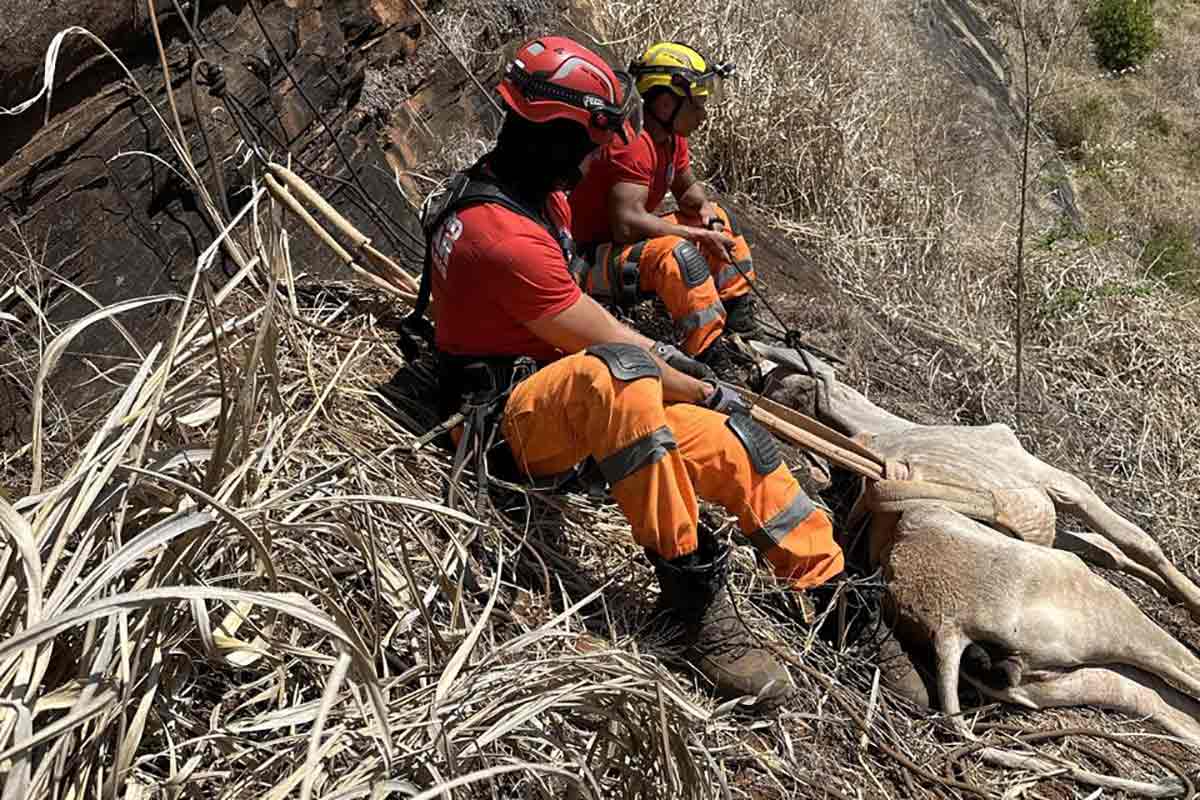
1080,121
1171,255
1123,32
1070,300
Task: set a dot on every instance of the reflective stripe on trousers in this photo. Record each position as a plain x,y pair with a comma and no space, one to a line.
574,408
699,319
732,272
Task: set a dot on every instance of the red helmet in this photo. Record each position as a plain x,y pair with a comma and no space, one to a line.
557,78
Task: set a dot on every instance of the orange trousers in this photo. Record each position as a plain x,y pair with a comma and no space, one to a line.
659,460
690,282
730,278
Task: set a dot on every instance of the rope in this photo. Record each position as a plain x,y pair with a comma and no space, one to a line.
373,209
213,161
791,337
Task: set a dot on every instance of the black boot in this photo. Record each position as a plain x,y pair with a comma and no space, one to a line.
729,363
741,315
715,639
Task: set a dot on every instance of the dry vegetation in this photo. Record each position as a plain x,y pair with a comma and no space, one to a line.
241,581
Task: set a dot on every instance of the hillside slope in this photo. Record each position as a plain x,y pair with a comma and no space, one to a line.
870,148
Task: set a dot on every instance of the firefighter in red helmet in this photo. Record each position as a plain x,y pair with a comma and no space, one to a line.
522,348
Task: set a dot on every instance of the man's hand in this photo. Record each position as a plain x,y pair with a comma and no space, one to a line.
677,359
726,400
714,244
710,216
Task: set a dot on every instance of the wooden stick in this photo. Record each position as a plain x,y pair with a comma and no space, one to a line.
808,434
805,422
301,187
293,205
360,241
398,273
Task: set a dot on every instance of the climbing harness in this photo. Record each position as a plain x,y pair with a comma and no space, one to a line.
474,389
473,186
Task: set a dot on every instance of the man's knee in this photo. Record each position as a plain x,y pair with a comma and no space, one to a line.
757,441
626,362
693,266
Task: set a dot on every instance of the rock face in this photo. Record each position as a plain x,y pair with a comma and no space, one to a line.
78,193
956,34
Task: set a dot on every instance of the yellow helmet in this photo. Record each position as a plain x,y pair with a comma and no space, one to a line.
680,69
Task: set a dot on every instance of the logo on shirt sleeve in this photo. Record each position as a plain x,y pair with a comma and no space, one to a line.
443,243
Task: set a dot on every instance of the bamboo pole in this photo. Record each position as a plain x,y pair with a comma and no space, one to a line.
806,433
360,241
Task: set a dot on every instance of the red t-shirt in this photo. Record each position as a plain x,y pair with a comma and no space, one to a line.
493,271
642,162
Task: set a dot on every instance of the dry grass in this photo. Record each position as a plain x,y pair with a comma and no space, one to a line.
242,581
245,567
1130,141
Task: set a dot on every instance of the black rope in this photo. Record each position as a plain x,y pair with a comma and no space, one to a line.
213,160
790,336
356,195
250,127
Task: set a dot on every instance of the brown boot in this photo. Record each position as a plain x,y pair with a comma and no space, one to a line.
715,639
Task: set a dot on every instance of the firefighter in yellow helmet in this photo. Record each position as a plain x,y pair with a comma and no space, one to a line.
695,260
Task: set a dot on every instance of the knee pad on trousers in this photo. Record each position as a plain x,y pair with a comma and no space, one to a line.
626,362
691,263
759,443
627,274
612,279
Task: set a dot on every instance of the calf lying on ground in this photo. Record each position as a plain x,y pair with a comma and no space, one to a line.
981,471
1057,633
1053,632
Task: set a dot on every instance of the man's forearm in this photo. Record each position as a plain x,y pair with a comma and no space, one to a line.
637,227
680,388
692,199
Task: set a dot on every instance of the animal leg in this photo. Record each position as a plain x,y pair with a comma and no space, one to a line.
1075,497
1078,618
948,647
1100,552
1117,687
